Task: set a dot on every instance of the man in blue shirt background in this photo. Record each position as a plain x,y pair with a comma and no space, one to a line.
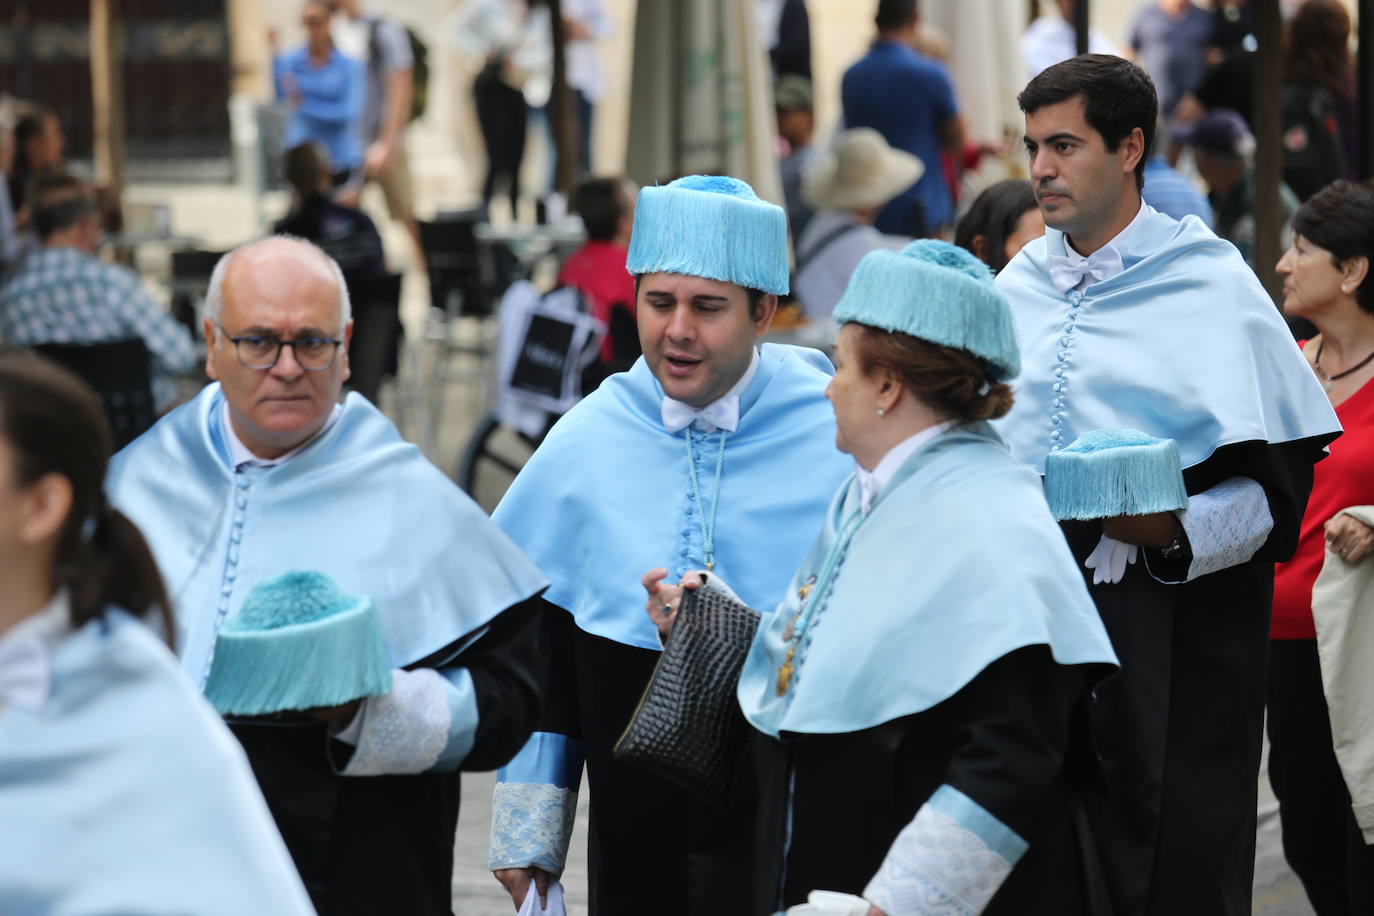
908,99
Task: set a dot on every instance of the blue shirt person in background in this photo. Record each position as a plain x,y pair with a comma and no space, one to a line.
1170,40
121,791
910,101
1172,194
325,90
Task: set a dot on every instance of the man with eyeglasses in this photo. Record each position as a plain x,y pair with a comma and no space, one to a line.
266,472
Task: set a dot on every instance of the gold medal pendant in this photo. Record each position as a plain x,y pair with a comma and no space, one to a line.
785,672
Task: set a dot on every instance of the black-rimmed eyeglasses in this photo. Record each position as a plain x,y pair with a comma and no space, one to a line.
258,351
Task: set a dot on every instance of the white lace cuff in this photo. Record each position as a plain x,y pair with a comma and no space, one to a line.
404,731
531,825
950,860
1226,526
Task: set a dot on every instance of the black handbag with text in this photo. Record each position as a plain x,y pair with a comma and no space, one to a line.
688,726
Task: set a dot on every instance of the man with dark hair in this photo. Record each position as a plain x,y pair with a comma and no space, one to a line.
62,293
711,452
1129,319
908,99
346,234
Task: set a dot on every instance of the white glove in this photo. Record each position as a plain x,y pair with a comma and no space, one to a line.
830,903
1109,558
556,907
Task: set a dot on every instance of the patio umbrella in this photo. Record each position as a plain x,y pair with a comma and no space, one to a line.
701,99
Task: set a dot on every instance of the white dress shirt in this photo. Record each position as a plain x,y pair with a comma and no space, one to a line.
871,483
240,454
26,655
722,413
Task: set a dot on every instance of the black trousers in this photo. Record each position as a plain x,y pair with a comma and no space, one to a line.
1320,838
501,114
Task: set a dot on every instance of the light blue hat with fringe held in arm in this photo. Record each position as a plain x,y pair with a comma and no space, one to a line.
710,226
1111,472
937,292
297,643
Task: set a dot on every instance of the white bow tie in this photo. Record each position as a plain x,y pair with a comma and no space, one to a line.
25,672
719,414
1067,272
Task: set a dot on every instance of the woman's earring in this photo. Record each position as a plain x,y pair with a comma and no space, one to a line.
881,412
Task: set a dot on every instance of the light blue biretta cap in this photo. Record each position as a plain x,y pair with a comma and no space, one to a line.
297,643
1111,472
939,293
710,226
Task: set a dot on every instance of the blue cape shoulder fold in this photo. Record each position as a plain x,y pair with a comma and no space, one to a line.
358,503
125,793
1184,344
607,496
957,564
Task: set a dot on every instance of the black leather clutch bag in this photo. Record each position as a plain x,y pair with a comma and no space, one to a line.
688,726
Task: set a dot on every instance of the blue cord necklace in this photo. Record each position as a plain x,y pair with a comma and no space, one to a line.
707,521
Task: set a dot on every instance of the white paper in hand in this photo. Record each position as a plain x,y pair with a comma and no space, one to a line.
554,902
830,903
1109,558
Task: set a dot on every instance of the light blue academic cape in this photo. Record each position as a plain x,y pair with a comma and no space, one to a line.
1184,344
957,564
125,793
608,497
357,503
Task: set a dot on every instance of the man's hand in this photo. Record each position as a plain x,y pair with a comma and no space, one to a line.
1156,530
1349,538
516,881
339,715
664,600
378,157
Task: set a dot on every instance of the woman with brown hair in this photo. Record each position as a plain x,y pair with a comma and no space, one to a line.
120,789
1319,118
914,696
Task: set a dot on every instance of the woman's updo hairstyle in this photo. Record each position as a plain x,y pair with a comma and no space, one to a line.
932,315
953,382
54,424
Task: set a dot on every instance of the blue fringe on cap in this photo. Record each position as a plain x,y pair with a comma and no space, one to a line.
937,292
710,226
1111,472
298,643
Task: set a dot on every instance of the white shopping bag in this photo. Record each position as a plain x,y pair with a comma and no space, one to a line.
554,899
830,903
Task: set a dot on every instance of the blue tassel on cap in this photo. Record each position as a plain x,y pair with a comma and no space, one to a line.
1111,472
710,226
937,292
298,643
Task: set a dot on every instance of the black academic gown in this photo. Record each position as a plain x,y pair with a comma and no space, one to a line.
652,846
384,844
1013,740
1178,727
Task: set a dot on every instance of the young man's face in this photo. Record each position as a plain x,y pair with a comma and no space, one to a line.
1078,182
697,334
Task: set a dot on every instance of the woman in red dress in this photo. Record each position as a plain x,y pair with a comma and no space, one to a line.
1327,281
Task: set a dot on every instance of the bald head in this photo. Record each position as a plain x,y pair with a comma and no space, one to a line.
294,264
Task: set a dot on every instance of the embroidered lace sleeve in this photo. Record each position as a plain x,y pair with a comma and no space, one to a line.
1226,526
406,730
950,859
531,825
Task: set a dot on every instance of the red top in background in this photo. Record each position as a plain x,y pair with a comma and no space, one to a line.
1342,479
598,270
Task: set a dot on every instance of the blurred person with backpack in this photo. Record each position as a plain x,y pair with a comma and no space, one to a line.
1318,103
397,77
